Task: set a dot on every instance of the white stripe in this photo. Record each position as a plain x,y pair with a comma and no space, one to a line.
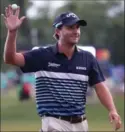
59,75
59,88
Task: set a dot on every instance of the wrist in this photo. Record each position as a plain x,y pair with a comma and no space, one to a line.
113,110
12,31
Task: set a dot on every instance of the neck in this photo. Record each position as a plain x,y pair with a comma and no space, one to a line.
67,49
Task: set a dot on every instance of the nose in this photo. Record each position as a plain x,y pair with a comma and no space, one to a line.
76,30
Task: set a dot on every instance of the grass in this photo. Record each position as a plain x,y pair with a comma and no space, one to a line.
22,116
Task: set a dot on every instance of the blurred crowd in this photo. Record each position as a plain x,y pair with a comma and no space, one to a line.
22,83
115,80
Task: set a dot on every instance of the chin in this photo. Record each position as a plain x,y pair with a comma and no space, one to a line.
74,42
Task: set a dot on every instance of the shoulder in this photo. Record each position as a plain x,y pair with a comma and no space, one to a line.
43,48
88,54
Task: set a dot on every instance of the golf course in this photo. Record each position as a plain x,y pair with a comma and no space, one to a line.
22,116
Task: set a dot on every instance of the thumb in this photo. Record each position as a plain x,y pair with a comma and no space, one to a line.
22,18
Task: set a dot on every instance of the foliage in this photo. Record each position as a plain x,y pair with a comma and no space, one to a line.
103,30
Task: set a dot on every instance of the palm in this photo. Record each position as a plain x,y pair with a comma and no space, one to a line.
13,22
11,18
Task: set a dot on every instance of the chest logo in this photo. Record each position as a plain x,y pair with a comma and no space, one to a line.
80,68
51,64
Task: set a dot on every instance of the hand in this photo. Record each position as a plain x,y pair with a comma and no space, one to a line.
11,19
115,119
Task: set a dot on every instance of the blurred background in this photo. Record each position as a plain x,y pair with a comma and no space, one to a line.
105,32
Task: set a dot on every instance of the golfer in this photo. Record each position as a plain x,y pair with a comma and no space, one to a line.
63,74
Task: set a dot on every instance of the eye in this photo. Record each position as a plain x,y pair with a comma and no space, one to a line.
78,26
70,27
74,26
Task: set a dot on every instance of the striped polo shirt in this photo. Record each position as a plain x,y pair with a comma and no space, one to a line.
61,84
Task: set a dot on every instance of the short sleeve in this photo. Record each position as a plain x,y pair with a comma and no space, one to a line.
34,60
95,74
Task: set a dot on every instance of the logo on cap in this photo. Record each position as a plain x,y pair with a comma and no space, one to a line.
71,15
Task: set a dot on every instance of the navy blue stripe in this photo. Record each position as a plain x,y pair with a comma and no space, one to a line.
76,101
63,112
57,101
62,94
59,108
39,97
61,84
60,89
63,91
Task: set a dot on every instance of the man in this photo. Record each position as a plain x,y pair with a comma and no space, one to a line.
63,73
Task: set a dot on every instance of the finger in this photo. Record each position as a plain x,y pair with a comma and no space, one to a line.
2,15
111,118
5,20
10,10
17,11
22,18
7,12
118,125
117,118
117,122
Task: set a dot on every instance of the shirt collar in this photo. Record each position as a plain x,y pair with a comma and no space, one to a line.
56,50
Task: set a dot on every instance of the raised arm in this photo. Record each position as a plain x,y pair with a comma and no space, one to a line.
12,22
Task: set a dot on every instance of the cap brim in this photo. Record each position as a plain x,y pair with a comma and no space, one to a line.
80,22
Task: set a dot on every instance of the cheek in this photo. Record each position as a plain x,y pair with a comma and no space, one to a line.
79,32
66,34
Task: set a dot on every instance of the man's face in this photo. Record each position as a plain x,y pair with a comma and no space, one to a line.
69,34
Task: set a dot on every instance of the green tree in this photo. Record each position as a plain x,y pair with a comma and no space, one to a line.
115,38
24,38
43,24
102,30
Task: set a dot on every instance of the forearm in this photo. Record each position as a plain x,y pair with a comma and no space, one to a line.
10,47
105,97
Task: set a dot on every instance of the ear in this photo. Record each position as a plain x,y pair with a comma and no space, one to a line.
57,31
